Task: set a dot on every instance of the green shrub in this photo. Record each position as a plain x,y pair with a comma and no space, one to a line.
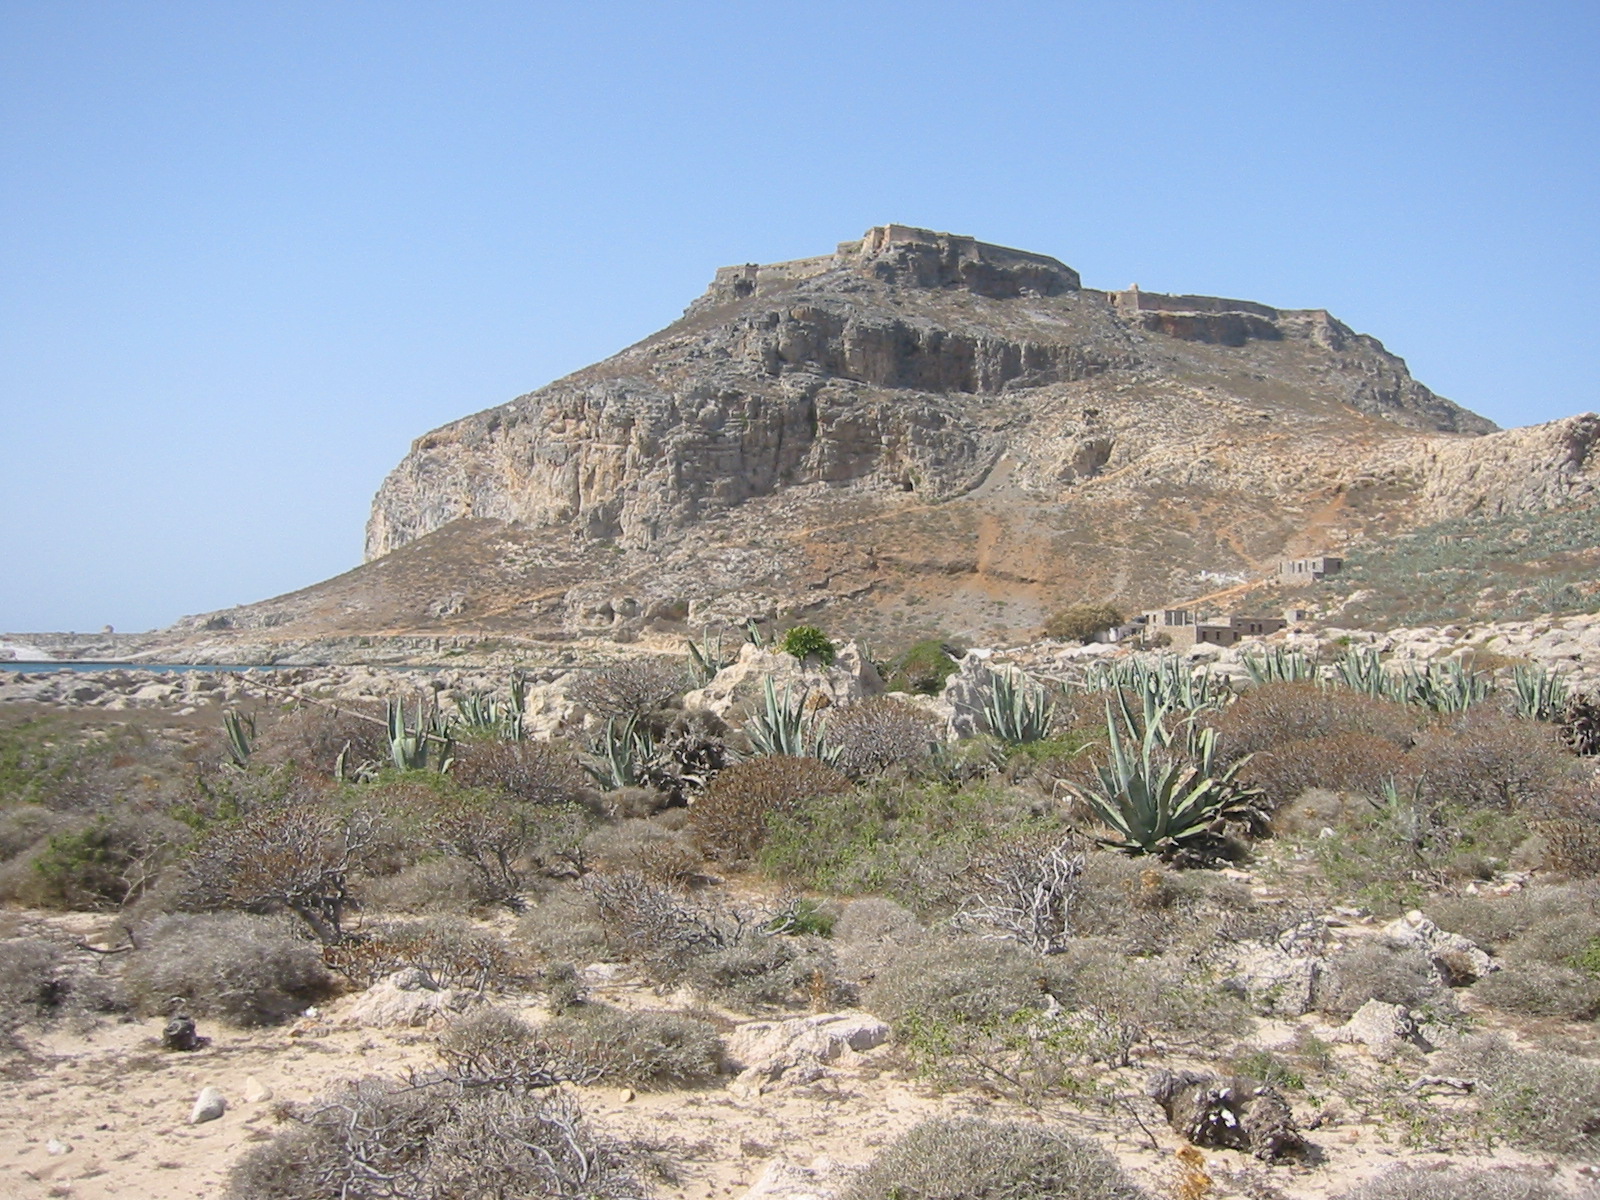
640,1049
908,841
922,669
807,641
1539,1100
107,860
244,969
1442,1181
966,1159
1082,622
1376,970
1542,990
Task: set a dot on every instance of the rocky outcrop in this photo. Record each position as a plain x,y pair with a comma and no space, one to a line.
1516,470
844,370
800,1050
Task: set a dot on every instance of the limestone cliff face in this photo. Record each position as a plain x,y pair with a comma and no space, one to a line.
907,364
1517,470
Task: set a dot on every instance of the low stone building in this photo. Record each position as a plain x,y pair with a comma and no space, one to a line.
1309,570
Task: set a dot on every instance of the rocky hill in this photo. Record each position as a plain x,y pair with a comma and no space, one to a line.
918,433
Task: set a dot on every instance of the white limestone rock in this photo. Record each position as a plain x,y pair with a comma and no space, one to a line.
800,1050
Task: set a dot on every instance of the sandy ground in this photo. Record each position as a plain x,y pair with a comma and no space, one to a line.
120,1104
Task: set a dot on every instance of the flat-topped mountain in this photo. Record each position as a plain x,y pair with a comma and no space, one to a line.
919,432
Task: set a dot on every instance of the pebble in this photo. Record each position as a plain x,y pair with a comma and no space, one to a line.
55,1147
255,1091
208,1106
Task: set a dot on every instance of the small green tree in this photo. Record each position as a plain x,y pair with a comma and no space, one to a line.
1081,622
807,641
923,668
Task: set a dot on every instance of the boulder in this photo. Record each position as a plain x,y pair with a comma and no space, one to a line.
1279,977
1382,1028
1458,960
798,1051
739,688
786,1181
406,998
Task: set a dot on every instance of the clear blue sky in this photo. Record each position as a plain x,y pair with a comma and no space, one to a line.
249,251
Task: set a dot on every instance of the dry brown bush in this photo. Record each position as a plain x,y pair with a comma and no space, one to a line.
878,733
1485,759
296,854
394,1140
965,1159
565,926
529,772
1126,1001
1341,762
505,840
1273,714
968,980
872,919
729,819
312,737
434,885
632,689
246,969
1148,907
42,979
665,856
449,951
1571,830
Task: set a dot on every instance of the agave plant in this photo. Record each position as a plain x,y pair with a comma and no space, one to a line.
481,713
1449,687
1018,710
708,658
412,747
1170,680
240,731
1362,671
621,755
784,727
1541,694
1162,792
1280,665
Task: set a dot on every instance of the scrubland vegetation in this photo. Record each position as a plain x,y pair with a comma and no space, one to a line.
1041,912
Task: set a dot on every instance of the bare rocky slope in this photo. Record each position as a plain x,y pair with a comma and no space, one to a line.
918,433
